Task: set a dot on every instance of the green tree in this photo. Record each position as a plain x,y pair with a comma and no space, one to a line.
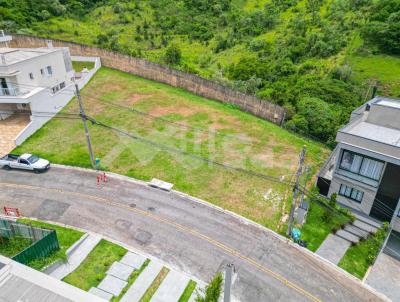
173,55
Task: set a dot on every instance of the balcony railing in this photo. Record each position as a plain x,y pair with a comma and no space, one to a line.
10,92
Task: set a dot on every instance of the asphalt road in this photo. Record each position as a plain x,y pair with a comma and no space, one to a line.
186,234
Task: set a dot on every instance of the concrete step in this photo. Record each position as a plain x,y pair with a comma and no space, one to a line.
347,236
365,226
356,231
367,220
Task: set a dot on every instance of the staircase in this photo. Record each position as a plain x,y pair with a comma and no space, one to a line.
360,228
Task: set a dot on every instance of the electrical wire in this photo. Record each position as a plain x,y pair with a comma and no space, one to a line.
198,157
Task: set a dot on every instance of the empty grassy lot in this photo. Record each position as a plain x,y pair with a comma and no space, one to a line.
202,127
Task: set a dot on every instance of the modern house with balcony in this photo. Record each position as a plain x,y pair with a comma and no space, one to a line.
35,83
364,168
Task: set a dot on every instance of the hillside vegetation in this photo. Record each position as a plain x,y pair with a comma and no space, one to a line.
317,58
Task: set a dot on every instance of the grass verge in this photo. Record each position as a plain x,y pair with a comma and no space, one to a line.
93,269
10,247
132,278
360,257
187,293
154,285
320,222
78,66
66,238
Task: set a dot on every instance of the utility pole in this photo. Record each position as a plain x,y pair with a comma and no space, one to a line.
296,190
229,271
84,120
307,171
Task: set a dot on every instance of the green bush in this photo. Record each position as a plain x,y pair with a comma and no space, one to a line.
212,291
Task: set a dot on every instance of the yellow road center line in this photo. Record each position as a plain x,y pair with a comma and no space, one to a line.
228,250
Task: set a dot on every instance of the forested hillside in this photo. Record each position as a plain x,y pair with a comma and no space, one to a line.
317,58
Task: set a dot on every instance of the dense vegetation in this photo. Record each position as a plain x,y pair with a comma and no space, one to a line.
297,53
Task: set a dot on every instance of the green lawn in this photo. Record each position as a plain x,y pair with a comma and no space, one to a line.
187,293
10,247
93,269
132,278
227,135
383,68
360,257
317,226
78,66
66,238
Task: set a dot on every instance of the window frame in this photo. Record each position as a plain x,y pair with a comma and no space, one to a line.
31,76
351,193
361,164
49,70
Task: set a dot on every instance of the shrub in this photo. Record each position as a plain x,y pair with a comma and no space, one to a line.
213,290
173,55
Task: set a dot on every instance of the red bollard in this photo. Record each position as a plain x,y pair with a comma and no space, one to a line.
98,180
104,177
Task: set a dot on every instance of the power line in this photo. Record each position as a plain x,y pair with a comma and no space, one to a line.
198,157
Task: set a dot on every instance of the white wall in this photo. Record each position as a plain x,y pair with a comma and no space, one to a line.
54,59
45,101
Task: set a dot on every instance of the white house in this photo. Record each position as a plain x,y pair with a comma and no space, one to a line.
35,83
25,73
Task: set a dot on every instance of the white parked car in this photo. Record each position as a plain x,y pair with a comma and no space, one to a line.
24,162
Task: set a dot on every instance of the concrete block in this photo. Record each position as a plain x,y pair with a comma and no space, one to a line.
133,260
100,293
120,271
112,285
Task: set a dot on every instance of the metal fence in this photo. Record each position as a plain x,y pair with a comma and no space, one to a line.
44,241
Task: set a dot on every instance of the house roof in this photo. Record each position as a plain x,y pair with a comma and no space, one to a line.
16,55
386,135
22,283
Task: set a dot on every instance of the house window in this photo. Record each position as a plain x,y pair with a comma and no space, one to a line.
55,89
49,70
62,85
361,165
31,75
351,193
42,71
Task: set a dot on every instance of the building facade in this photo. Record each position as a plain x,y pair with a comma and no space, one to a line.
35,84
364,168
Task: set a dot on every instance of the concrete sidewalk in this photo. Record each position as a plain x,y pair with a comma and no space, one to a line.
333,248
171,288
142,283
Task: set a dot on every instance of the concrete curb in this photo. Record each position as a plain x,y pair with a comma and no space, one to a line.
241,219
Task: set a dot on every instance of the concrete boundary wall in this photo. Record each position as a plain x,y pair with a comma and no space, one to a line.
149,70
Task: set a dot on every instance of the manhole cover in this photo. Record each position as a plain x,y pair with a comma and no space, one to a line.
151,209
133,205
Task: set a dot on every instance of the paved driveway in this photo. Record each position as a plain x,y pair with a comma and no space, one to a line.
9,129
385,276
186,234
